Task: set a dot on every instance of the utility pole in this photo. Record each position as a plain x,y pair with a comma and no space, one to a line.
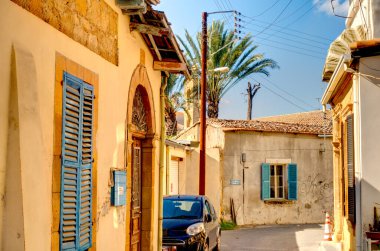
251,93
202,117
202,129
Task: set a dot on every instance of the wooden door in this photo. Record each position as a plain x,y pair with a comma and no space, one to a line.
136,197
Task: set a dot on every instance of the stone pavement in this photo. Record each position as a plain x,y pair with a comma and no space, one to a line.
274,237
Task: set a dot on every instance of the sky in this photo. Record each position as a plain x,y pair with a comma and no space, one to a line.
294,33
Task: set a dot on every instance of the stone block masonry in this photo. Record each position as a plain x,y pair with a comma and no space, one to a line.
90,22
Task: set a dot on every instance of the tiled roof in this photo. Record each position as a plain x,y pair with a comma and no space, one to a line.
315,122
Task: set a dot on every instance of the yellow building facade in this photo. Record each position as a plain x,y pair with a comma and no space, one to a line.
80,99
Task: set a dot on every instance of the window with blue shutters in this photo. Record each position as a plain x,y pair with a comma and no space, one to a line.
76,164
276,183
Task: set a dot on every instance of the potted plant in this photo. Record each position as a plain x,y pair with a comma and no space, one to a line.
374,230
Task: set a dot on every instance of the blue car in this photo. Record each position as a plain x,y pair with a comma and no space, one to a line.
190,224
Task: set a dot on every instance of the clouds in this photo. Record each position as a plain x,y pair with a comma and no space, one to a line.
340,6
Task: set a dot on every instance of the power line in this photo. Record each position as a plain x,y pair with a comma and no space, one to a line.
292,35
300,17
294,12
289,29
291,95
279,95
266,10
310,51
296,41
304,14
289,50
278,16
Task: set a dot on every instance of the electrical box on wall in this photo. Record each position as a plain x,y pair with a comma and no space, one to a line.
119,189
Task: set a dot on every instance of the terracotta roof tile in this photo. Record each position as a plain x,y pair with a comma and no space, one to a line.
315,122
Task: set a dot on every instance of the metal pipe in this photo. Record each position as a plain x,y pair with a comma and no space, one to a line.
164,81
202,129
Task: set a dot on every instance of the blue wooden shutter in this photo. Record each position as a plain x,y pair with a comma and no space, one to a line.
70,163
76,166
85,221
265,181
292,182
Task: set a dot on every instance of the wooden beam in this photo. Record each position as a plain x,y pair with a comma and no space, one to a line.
149,29
151,39
169,66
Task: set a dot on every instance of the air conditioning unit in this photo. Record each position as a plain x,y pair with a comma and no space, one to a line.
132,7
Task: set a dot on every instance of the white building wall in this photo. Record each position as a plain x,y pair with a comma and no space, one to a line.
369,170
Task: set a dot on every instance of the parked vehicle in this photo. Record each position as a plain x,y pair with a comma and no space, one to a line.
190,224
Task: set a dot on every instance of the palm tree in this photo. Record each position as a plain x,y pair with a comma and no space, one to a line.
224,51
174,102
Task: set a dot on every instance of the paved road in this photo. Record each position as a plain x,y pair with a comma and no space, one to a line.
273,238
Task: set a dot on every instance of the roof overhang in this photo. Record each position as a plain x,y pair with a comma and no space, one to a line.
339,74
367,48
161,41
340,47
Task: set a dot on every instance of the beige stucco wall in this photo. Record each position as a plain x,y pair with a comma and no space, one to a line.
315,183
175,152
189,179
19,27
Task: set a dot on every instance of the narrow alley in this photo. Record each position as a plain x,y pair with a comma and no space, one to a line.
274,237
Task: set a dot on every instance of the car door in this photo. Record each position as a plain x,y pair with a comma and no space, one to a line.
210,226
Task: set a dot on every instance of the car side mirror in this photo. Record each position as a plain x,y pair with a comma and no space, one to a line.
208,218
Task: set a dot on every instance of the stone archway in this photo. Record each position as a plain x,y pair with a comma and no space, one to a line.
141,130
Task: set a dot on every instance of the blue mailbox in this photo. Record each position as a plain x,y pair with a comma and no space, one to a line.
119,189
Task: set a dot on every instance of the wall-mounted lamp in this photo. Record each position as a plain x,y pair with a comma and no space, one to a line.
243,158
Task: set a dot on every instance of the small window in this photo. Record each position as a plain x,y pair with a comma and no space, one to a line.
278,181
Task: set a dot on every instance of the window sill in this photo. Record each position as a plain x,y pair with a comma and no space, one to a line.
279,201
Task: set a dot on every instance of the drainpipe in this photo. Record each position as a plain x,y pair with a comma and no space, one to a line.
164,80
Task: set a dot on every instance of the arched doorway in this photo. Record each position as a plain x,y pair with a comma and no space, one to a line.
140,162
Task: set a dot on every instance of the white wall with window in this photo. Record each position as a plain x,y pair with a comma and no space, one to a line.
285,179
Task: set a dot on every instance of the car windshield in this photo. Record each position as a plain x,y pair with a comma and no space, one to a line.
182,209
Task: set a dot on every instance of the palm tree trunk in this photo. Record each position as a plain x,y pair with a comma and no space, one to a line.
213,109
170,122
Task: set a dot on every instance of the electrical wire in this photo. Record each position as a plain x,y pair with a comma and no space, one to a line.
291,95
296,41
278,16
310,51
293,51
289,29
301,16
294,12
279,95
266,10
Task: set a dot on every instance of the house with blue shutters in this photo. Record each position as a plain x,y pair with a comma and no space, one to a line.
82,87
272,170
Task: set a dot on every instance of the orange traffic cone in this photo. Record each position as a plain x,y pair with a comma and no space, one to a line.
328,232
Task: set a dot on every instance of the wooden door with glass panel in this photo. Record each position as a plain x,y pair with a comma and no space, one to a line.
136,197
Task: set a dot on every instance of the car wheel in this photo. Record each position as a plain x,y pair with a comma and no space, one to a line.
218,245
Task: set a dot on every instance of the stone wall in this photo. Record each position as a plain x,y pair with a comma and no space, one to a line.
92,23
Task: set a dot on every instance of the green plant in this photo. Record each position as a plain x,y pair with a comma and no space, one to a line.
227,225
